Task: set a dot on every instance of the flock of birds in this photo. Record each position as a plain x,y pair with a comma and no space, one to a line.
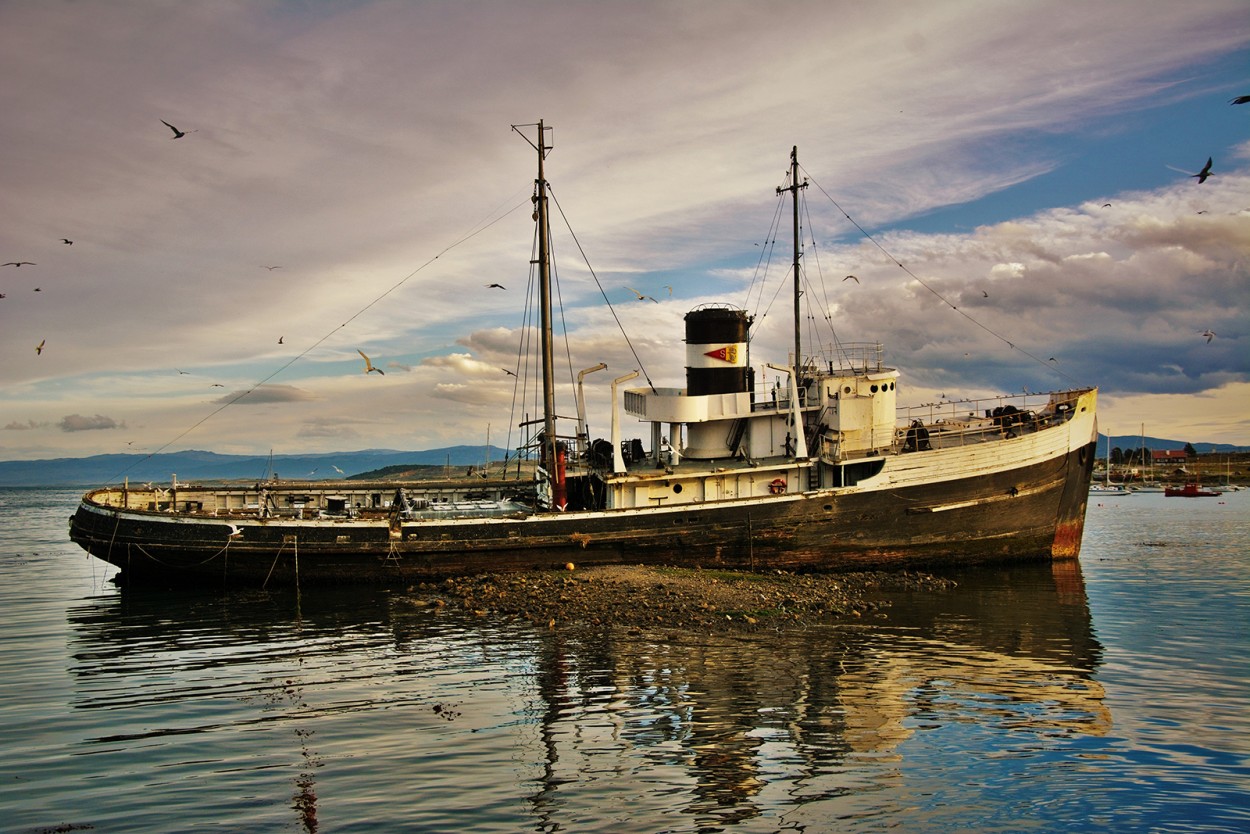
179,134
1202,176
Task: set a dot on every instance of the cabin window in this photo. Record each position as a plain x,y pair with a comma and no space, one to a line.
874,388
677,488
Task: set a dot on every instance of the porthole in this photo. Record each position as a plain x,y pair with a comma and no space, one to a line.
874,388
846,390
828,508
676,487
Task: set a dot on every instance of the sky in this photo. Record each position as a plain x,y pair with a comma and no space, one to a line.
1010,184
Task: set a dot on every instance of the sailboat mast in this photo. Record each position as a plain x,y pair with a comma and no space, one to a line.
793,188
550,443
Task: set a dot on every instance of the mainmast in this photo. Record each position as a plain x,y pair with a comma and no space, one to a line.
793,188
554,465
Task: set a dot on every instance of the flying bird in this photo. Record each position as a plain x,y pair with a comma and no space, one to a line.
1204,173
39,347
216,385
38,289
1209,334
67,241
850,278
1240,100
336,469
669,288
1106,205
984,294
2,295
495,287
369,365
280,338
640,296
270,268
20,263
178,134
508,372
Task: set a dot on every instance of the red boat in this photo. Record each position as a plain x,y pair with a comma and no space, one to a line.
1189,491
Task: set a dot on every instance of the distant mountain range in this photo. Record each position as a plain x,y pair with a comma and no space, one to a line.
194,465
1159,444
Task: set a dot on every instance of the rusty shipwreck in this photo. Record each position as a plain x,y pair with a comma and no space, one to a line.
817,470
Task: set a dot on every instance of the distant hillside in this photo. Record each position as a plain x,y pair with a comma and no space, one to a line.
1159,444
194,465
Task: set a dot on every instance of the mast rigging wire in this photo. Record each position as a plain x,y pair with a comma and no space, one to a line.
1044,363
612,309
474,232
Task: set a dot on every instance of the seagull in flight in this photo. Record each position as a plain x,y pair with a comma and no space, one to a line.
280,338
178,134
39,347
1210,334
508,372
369,365
20,263
1240,100
270,268
1205,172
67,241
640,296
850,278
495,287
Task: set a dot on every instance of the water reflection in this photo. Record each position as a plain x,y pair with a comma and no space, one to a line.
578,729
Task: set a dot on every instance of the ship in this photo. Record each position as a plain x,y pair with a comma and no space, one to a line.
818,470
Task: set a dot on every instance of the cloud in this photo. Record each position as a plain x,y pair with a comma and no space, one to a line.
978,141
76,422
26,426
328,429
266,394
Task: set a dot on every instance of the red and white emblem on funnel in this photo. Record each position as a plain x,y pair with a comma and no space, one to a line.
728,353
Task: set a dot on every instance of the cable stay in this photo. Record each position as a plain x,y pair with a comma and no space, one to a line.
868,236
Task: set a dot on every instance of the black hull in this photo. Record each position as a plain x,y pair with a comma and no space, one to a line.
1035,513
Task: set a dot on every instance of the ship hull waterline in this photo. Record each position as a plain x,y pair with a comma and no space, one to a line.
1032,513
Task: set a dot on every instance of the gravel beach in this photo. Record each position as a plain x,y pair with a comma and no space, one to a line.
638,596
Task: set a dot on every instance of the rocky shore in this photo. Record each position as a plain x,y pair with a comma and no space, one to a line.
645,596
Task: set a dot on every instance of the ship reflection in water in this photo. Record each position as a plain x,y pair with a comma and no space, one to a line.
370,705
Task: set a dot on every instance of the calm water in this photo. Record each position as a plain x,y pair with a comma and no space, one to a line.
1109,696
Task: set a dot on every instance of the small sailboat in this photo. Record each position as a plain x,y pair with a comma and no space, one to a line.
1106,488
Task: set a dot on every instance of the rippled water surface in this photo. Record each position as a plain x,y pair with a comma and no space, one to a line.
1110,695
